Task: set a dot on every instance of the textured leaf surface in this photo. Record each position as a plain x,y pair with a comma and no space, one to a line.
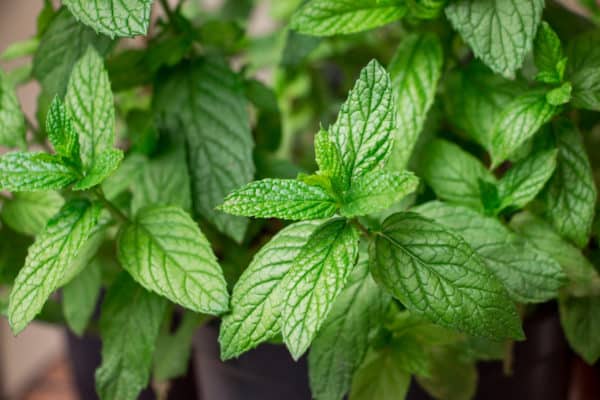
500,32
343,340
191,101
436,274
377,191
415,71
164,251
47,260
329,160
548,54
106,164
258,295
80,296
125,18
583,70
61,132
129,171
318,275
280,198
12,122
28,213
571,193
34,172
90,102
332,17
129,326
580,319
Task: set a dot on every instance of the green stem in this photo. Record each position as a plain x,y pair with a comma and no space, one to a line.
114,210
165,5
361,228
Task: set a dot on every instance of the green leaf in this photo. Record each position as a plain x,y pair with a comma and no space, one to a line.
90,103
129,171
258,295
436,274
549,57
529,275
20,49
580,319
48,259
31,172
519,121
28,213
105,164
377,191
382,377
415,69
500,32
329,160
165,251
80,296
332,17
343,340
363,131
318,275
526,178
560,95
12,122
129,326
571,193
583,70
191,101
62,134
454,174
280,198
125,18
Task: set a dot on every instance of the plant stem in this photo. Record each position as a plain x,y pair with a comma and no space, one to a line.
361,228
114,210
165,5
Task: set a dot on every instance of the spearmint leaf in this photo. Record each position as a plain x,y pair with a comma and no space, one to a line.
548,54
571,193
12,122
90,103
377,191
426,9
47,260
129,326
454,174
529,275
333,17
191,101
415,70
258,295
318,275
500,32
164,250
343,340
436,274
80,296
329,160
105,164
363,131
88,251
62,134
583,70
124,18
128,172
580,319
280,198
526,178
28,213
560,95
31,172
519,121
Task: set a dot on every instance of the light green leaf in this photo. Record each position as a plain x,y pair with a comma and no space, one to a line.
343,340
280,198
258,297
125,18
377,191
580,319
32,172
330,161
191,101
363,131
571,193
560,95
48,258
20,49
90,102
415,70
549,57
165,251
529,275
129,326
129,171
526,178
332,17
88,251
519,121
500,32
28,213
62,134
317,277
451,375
436,274
105,164
454,174
583,70
80,296
12,122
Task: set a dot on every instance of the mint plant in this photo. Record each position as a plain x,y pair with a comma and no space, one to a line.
392,200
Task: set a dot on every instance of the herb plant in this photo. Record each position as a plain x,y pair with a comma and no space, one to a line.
453,192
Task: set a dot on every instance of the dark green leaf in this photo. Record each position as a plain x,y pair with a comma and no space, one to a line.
80,297
580,319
